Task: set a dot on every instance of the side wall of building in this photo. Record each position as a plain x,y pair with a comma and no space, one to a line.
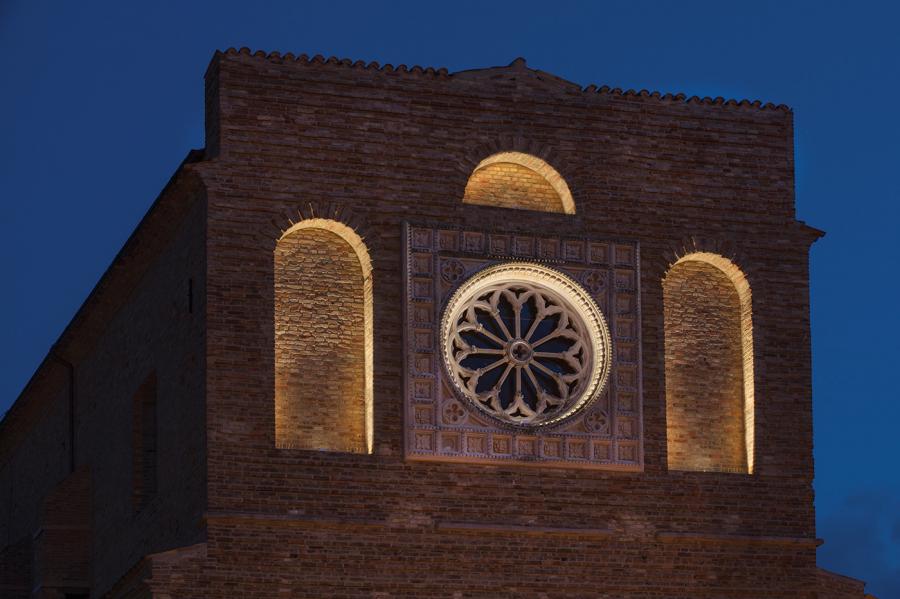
836,586
158,332
34,465
146,316
376,148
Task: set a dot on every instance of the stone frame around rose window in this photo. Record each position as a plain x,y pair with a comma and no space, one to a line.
440,427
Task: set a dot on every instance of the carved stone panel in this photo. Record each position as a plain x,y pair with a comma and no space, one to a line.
522,349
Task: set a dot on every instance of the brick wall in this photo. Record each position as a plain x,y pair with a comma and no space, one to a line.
319,343
179,572
374,148
62,551
16,561
835,586
144,446
156,334
138,319
704,370
31,470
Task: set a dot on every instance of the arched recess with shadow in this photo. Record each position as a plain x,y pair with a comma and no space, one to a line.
518,180
708,365
323,338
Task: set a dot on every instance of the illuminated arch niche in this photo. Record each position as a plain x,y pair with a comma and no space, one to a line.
323,338
709,365
518,180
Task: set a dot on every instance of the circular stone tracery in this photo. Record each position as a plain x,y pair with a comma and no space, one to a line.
525,344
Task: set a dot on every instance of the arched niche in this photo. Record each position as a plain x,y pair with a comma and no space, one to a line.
323,338
708,365
518,180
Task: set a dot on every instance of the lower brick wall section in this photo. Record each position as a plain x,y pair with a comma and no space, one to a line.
179,573
15,569
62,545
254,557
835,586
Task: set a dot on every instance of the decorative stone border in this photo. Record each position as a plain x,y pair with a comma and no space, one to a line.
608,434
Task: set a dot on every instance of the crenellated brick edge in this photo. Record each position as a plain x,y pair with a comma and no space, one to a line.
518,64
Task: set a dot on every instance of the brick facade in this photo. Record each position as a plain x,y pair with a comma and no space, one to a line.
375,149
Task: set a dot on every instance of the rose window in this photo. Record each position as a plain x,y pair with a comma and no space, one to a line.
525,344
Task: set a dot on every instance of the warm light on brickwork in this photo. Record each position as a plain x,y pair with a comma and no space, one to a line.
323,339
518,180
709,365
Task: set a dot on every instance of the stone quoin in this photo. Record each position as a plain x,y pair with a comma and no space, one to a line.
401,332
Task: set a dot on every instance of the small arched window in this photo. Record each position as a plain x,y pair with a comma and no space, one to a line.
518,180
323,339
708,365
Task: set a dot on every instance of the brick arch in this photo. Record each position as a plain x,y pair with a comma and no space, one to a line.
304,211
529,165
709,362
324,338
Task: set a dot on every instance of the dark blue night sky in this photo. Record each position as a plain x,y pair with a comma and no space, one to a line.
100,101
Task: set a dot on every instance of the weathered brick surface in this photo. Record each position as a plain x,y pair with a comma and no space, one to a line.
835,586
159,329
415,562
38,462
177,573
16,561
144,421
319,343
704,370
374,149
62,544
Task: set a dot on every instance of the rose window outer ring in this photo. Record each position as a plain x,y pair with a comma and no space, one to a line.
525,345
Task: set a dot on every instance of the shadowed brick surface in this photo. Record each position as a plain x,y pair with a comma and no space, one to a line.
139,319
